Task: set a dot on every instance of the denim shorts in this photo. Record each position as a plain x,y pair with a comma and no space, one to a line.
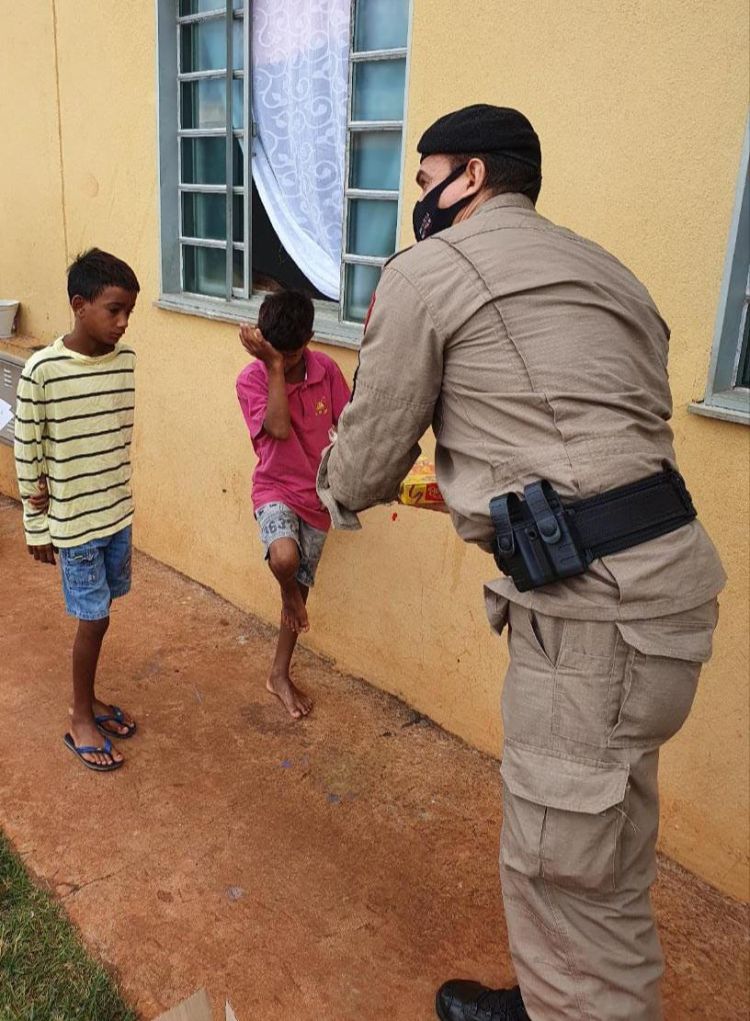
277,521
95,573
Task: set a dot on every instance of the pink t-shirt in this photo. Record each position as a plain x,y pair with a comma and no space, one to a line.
287,469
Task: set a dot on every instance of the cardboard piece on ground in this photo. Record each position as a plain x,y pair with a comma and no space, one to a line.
196,1008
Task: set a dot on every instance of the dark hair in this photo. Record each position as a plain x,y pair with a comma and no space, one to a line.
504,174
94,270
286,319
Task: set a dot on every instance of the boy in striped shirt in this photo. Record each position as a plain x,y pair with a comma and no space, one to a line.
74,422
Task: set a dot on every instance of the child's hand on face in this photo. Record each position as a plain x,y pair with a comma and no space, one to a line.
256,344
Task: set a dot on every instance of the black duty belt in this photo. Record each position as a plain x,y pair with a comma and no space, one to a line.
539,539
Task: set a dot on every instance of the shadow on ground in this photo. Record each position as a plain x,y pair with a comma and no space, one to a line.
341,867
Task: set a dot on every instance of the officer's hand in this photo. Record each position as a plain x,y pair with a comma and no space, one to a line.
256,344
40,500
44,554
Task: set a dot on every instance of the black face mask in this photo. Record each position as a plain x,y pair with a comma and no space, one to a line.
428,218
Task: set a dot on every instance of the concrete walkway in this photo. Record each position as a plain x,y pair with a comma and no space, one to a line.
339,868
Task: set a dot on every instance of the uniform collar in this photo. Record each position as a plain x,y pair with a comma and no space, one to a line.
506,199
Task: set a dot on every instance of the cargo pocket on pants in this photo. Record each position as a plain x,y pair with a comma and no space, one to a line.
563,818
664,661
81,567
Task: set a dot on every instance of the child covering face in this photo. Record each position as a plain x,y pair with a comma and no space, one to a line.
290,397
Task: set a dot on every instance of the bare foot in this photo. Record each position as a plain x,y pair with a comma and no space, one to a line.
293,611
296,702
84,733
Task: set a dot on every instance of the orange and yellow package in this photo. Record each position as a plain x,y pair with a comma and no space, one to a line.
420,488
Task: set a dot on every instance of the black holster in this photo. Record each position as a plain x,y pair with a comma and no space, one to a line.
539,540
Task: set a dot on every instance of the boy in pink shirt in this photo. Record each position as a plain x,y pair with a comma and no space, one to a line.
290,398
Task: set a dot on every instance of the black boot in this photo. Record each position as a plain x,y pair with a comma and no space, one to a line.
461,1000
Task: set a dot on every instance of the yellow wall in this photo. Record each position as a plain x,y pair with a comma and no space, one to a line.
32,216
641,109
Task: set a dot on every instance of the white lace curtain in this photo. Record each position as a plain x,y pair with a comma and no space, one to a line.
300,73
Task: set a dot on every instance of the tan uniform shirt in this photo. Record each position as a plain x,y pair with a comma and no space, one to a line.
534,354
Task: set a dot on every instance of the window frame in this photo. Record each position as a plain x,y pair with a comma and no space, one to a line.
228,132
331,327
354,127
724,398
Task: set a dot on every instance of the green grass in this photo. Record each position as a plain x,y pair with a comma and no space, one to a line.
45,972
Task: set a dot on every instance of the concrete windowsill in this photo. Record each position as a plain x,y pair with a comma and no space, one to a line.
723,414
328,328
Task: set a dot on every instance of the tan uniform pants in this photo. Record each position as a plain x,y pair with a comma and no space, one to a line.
586,705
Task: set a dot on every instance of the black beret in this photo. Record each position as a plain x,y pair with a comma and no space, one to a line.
483,129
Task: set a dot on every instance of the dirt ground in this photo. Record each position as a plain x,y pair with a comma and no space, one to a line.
339,868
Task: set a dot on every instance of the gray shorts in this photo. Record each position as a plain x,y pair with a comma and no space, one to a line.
277,521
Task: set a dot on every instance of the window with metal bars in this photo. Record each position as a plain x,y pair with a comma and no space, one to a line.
728,388
220,252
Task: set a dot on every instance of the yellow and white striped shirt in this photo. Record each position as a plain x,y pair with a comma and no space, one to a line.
74,424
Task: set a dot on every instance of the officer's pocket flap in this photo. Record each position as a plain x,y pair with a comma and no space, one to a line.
571,785
497,607
669,639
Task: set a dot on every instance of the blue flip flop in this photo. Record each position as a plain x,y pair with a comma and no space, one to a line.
89,749
118,716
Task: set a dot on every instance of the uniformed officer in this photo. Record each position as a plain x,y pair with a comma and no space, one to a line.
536,355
